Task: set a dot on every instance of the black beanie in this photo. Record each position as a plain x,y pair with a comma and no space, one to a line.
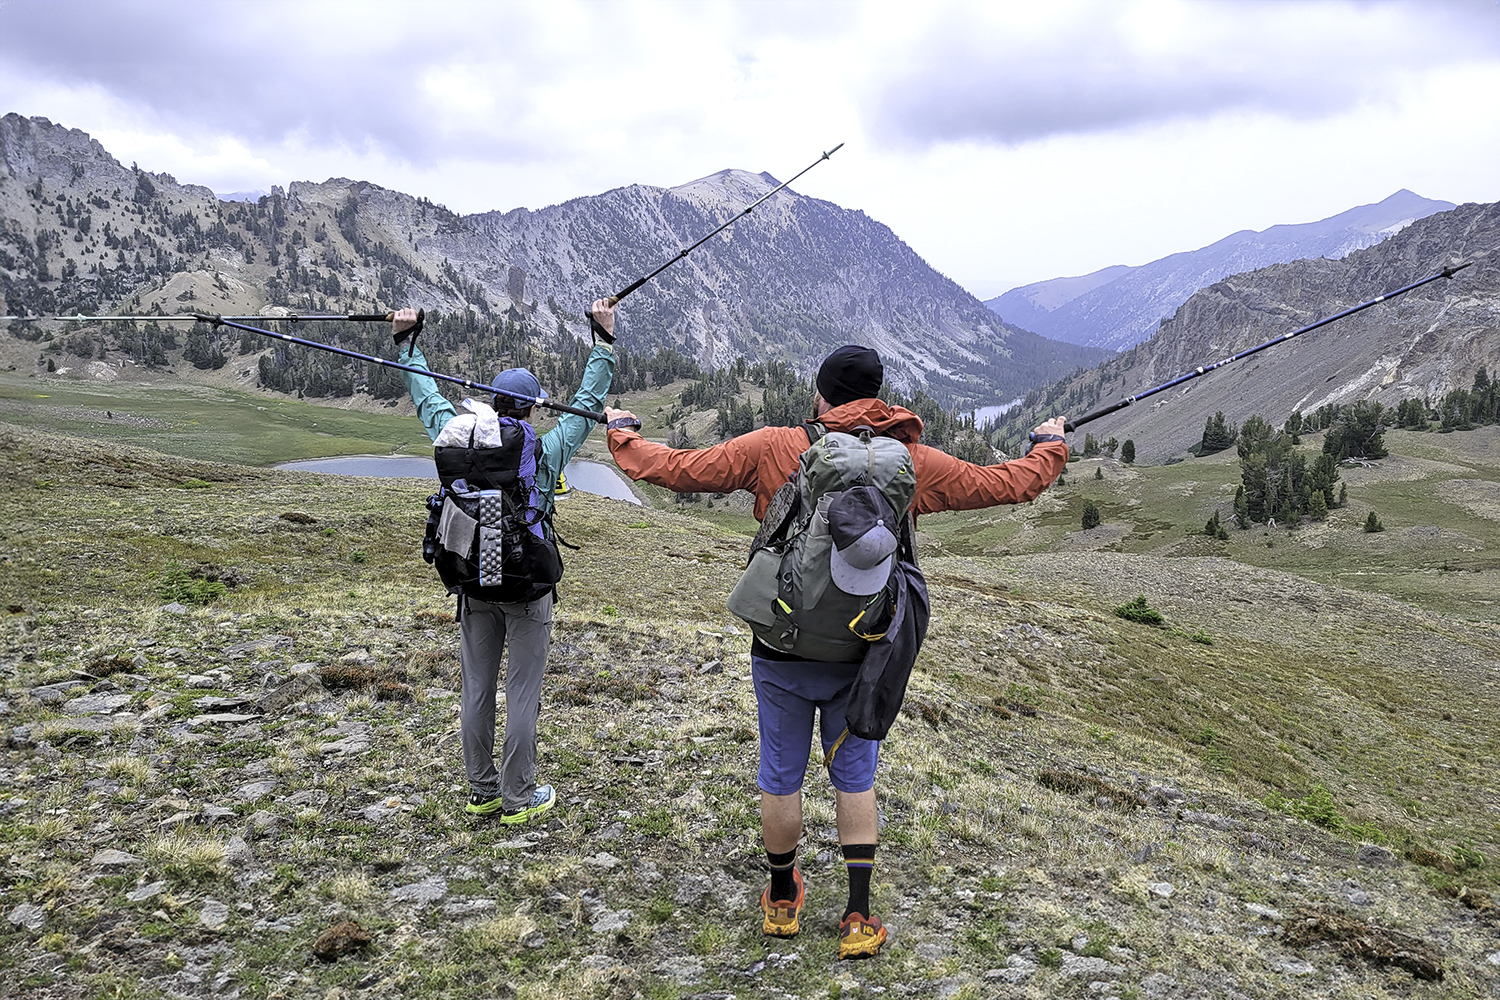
849,373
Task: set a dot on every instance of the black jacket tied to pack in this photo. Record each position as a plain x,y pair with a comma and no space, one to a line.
880,685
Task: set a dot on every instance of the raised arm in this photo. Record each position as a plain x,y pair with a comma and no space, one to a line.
432,408
562,442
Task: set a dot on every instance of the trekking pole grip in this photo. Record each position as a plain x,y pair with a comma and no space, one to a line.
594,327
1103,411
579,411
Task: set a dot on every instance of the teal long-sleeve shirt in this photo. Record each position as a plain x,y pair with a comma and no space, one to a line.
559,445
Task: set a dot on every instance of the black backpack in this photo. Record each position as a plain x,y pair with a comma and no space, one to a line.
487,534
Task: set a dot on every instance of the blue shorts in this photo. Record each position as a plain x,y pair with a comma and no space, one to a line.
787,692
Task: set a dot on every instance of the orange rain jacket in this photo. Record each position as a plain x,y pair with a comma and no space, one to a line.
762,460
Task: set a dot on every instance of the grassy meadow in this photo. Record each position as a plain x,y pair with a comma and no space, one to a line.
229,703
204,421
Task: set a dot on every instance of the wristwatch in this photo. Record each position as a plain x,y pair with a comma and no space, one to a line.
1037,439
626,423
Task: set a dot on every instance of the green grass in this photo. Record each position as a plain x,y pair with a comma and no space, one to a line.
1435,553
204,422
1349,716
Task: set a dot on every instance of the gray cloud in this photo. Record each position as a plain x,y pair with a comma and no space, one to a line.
348,74
1105,66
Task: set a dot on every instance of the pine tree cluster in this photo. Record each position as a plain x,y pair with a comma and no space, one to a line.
1276,480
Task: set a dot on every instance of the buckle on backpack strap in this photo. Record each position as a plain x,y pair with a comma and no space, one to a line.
782,612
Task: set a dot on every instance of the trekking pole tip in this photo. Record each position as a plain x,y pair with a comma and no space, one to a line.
1453,269
835,149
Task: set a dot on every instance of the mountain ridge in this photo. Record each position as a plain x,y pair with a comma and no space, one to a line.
1120,306
792,281
1422,344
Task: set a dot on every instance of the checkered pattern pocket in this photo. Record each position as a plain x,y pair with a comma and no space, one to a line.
491,549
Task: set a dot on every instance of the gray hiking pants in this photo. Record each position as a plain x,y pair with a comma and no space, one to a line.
486,629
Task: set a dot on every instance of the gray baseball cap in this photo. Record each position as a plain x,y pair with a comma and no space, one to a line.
864,541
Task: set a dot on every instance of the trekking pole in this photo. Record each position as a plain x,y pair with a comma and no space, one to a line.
198,318
1447,272
479,387
614,299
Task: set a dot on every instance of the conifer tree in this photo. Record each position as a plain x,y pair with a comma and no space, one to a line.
1317,506
1127,452
1217,435
1372,524
1091,518
1357,431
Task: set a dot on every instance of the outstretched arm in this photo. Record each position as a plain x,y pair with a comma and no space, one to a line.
562,442
948,483
732,465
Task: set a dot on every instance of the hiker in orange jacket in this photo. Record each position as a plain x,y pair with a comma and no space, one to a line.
788,692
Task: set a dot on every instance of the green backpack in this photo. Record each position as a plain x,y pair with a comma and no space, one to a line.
786,594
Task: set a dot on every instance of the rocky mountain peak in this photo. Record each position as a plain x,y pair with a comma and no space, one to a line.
1420,345
791,281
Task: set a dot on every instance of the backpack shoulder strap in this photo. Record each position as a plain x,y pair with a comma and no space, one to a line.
814,433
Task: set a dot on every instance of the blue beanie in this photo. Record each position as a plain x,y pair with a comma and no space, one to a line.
522,383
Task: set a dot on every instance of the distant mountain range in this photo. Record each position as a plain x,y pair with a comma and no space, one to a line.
1120,306
799,277
1423,344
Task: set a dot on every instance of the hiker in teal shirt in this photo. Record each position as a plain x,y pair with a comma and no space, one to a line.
562,442
525,626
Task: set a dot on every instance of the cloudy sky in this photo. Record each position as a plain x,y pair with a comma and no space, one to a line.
1005,142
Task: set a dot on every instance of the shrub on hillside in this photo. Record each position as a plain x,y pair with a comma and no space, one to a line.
181,585
1091,518
1218,434
1138,610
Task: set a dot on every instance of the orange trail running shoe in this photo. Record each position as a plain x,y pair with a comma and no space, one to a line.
860,936
782,917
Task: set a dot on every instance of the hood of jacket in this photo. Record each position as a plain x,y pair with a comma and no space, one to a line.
885,420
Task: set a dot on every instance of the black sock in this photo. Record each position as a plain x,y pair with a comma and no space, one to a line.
859,860
782,867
